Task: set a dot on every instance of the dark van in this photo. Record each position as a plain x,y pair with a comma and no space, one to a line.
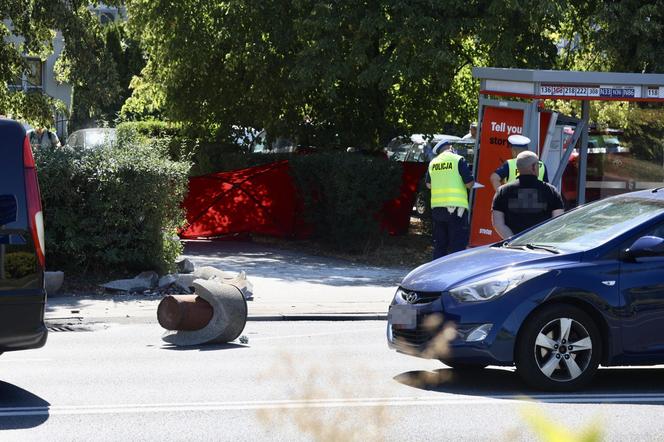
22,294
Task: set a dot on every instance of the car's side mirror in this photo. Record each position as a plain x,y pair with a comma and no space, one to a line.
646,246
8,209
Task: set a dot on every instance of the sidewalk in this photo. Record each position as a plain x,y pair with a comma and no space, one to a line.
287,286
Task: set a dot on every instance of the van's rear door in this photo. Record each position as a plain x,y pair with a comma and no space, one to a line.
22,295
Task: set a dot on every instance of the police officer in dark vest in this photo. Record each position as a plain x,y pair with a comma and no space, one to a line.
508,171
526,201
449,179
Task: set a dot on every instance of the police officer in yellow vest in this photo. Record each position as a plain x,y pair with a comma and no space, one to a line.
508,171
449,177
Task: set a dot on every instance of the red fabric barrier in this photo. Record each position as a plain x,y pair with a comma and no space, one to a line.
260,199
264,200
397,212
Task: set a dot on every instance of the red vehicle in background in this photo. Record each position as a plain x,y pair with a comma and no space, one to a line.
611,168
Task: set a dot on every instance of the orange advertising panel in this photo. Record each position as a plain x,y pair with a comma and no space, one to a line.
497,125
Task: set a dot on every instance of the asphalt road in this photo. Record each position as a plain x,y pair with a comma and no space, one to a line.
293,381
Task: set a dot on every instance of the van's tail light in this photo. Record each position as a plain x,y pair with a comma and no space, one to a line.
35,216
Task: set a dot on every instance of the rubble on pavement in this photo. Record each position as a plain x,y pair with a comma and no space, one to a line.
149,282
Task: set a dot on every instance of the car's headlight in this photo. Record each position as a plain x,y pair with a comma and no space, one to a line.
399,296
494,286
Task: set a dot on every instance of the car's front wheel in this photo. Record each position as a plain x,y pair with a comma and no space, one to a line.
559,349
422,202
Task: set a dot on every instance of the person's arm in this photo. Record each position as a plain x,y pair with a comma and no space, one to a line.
498,221
495,181
499,175
427,180
558,205
55,141
465,173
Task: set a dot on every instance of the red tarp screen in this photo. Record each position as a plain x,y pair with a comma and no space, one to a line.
265,200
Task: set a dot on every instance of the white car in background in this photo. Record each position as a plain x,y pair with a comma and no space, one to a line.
93,138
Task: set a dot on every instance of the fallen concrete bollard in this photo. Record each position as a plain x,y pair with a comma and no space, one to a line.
184,312
229,315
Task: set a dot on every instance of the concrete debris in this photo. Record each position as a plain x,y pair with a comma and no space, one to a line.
239,280
186,281
209,272
128,285
166,281
53,282
228,318
150,277
149,283
183,265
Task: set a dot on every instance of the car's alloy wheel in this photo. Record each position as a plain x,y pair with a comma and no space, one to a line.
559,348
421,203
563,349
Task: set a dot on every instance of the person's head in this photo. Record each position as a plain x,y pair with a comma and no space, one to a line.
527,163
40,129
441,147
473,129
518,144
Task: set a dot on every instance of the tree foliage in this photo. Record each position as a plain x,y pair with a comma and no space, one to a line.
27,29
360,72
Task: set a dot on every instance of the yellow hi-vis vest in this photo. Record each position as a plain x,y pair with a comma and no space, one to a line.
447,186
514,172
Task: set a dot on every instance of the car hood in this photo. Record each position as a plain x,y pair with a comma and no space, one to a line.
449,271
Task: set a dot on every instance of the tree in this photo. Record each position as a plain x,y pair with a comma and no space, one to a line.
630,32
349,72
28,28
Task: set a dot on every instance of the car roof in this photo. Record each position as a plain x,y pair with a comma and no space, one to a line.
95,129
653,194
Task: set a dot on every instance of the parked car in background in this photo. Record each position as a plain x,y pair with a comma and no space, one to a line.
92,138
579,290
262,144
419,149
611,169
22,261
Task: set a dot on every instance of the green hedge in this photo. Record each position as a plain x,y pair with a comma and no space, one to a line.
344,194
207,155
114,208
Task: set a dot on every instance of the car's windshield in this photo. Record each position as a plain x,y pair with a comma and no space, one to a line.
95,138
592,225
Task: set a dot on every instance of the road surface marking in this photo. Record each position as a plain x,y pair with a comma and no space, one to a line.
326,403
319,334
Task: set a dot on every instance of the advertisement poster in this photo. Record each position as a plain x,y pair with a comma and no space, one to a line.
497,125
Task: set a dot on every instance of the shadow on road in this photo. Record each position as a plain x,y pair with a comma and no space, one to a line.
265,261
611,385
205,347
20,409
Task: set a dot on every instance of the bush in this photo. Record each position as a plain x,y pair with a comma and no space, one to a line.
116,207
208,155
344,194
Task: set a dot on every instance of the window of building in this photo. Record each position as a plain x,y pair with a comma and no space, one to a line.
35,73
32,78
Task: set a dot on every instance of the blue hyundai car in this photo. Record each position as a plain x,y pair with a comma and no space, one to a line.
580,290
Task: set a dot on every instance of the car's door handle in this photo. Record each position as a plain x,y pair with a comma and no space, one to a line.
609,283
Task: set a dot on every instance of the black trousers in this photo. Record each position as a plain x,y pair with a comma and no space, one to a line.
450,231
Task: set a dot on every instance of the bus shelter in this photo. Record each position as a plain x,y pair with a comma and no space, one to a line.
582,165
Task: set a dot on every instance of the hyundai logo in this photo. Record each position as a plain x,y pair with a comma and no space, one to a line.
410,298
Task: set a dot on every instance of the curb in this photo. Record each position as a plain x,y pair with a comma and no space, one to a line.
253,318
321,317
